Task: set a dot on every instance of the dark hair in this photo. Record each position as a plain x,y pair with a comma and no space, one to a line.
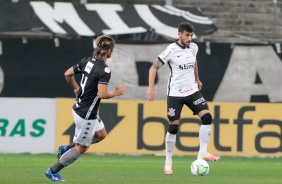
185,26
103,44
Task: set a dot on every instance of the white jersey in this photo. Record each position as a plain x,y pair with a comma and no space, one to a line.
181,64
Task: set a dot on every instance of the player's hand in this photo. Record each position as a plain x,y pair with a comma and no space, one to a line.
151,94
120,90
200,85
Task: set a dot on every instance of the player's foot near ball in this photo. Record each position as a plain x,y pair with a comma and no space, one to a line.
168,169
208,157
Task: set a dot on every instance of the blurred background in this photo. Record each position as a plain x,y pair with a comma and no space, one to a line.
239,62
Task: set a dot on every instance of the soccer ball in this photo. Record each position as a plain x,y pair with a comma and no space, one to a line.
200,167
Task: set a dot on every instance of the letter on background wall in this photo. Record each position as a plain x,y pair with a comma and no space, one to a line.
248,63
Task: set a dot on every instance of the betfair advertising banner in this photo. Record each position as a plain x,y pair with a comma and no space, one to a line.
139,127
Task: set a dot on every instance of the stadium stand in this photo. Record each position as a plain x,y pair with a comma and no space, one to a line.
242,20
238,21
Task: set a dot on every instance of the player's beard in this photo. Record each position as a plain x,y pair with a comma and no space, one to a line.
186,44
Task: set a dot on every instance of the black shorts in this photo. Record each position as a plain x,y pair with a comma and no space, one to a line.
195,102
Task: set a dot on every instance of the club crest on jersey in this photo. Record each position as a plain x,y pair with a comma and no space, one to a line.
107,70
171,112
194,52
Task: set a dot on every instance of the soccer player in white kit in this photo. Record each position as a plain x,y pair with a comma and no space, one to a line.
182,89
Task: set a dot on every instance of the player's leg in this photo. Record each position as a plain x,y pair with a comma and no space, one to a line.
98,137
83,136
83,139
173,113
68,158
200,107
205,129
100,134
204,136
170,140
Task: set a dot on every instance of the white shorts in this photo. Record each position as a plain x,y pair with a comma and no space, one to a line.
85,129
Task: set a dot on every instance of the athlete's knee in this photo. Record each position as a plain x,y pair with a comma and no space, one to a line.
99,136
80,148
102,136
97,139
173,128
206,119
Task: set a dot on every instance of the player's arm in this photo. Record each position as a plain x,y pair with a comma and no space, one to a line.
104,93
197,78
69,75
152,75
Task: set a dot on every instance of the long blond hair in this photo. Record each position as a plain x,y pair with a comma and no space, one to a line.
103,44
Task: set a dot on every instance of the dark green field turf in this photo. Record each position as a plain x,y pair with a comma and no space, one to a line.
117,169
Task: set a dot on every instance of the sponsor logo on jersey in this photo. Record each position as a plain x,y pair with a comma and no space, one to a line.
186,66
185,90
88,67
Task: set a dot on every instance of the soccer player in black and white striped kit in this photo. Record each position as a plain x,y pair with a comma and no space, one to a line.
93,87
182,89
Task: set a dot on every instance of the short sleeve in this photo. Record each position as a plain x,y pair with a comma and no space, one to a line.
79,66
164,57
194,49
106,76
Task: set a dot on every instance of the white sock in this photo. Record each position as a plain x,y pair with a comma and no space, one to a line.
170,140
204,136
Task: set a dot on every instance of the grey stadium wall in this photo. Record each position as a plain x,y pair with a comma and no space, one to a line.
229,73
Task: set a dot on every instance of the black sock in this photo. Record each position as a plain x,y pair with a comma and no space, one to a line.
56,168
71,145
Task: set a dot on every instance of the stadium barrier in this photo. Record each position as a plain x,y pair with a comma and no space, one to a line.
139,127
27,125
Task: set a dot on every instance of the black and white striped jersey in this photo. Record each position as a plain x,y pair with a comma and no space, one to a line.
181,64
93,72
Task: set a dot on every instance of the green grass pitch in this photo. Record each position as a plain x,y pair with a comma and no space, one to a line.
145,169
